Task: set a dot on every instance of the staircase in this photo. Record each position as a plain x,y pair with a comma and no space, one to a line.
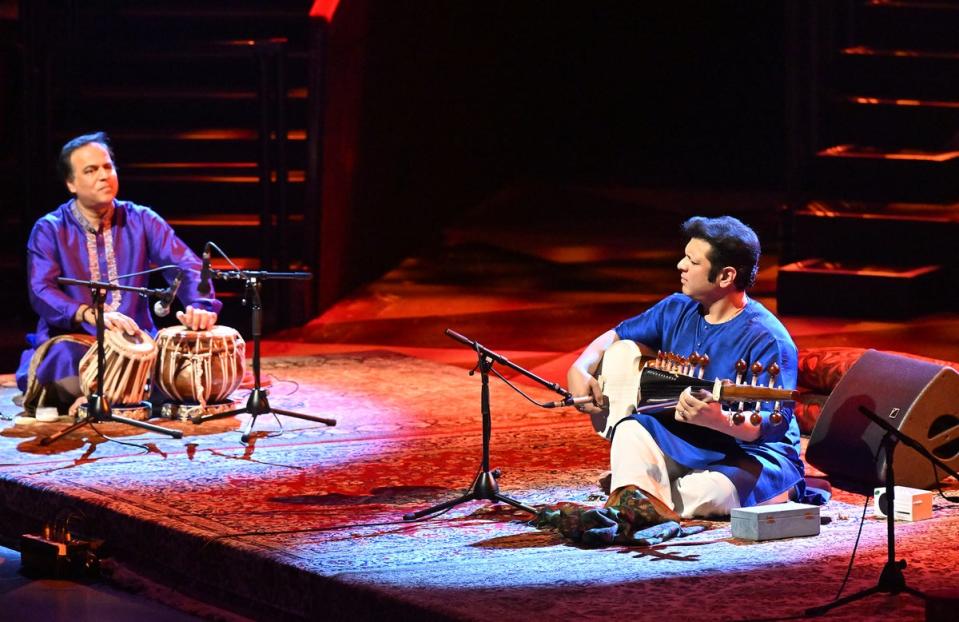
874,202
206,107
12,254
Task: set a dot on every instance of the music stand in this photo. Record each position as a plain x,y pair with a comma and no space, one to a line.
98,408
485,487
891,580
257,403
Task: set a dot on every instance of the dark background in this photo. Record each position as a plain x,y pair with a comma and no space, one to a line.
460,100
435,106
607,93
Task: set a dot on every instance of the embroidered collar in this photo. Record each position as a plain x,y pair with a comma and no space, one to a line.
86,224
93,255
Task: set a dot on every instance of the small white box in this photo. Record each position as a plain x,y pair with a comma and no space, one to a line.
46,414
772,522
911,504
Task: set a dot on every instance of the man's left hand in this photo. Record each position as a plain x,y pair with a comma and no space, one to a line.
705,412
196,319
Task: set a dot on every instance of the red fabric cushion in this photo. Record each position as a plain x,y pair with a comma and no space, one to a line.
819,371
821,368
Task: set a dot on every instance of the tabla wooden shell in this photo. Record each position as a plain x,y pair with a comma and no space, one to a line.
199,366
128,366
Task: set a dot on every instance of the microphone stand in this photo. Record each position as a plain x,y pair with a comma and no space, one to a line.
98,407
257,403
485,487
891,580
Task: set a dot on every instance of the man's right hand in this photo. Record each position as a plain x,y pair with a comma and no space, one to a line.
582,383
114,320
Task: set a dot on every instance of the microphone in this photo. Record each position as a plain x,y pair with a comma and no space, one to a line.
570,401
162,306
205,272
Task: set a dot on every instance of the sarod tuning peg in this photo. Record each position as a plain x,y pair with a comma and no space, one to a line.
776,416
773,371
693,362
741,366
755,418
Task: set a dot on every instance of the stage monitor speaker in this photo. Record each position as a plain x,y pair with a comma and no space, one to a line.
919,398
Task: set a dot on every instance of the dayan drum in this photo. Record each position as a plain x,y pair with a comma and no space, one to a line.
199,366
128,366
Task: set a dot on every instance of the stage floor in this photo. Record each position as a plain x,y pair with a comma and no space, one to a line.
308,524
306,521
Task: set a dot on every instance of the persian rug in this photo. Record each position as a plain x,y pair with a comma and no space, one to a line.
306,522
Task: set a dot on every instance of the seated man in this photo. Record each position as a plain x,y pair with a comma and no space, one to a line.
94,236
700,462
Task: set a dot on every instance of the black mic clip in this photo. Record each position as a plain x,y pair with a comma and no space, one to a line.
162,306
205,272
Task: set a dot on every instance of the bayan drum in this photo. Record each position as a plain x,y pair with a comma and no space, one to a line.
128,365
199,366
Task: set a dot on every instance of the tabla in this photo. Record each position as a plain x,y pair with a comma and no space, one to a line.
128,366
199,366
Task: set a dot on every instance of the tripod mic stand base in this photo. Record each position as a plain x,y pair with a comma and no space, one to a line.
99,411
891,581
484,487
258,404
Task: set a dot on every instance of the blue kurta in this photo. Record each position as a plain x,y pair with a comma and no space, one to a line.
761,469
58,247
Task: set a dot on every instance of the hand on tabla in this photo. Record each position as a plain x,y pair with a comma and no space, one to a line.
114,320
196,319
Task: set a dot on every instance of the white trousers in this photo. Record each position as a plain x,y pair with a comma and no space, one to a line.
635,459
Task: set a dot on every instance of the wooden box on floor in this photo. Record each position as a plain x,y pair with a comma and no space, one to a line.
773,522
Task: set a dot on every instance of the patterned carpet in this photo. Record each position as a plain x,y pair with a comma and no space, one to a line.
307,524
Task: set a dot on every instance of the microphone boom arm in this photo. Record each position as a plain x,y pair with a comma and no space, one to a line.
505,361
261,275
142,291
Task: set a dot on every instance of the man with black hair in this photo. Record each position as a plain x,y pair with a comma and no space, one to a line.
94,236
699,460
